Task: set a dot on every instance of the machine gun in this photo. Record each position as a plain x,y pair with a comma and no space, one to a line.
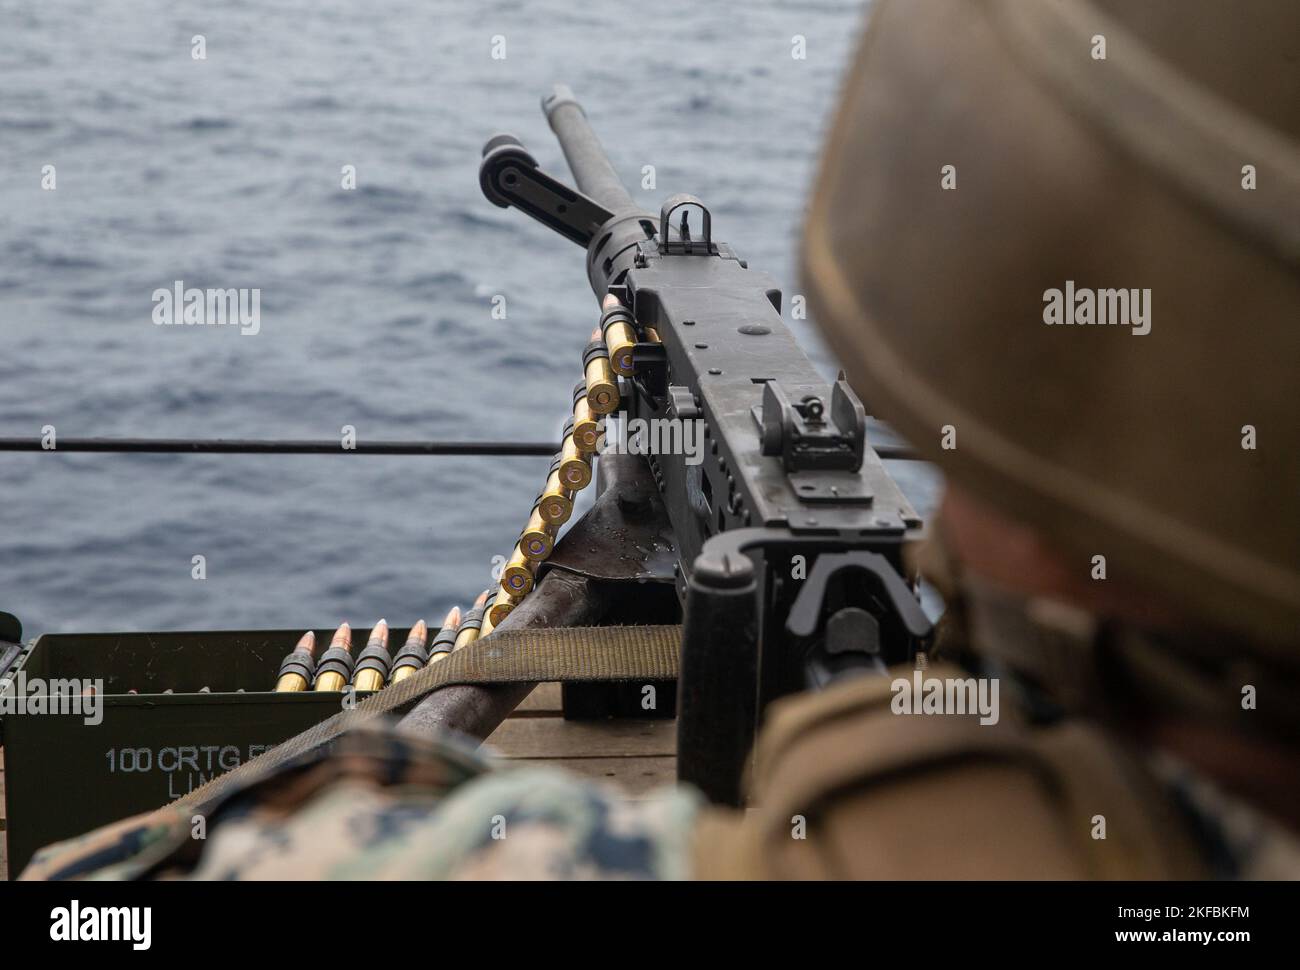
786,552
789,531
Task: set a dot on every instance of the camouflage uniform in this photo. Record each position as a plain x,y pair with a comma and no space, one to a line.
382,805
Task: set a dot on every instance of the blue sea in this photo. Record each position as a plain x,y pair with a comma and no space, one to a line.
376,302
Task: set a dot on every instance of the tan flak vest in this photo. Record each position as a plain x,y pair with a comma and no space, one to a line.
844,788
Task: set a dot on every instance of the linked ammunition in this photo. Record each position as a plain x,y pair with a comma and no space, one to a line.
602,390
473,621
298,668
413,654
445,642
538,538
586,425
334,671
374,662
501,607
616,327
575,466
556,501
517,576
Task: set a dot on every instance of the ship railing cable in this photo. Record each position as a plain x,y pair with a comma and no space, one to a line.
284,446
321,446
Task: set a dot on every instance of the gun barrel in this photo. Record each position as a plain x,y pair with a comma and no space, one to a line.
583,151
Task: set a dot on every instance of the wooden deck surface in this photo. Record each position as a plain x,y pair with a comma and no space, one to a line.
636,756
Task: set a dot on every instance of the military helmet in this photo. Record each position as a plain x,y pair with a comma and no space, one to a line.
1057,244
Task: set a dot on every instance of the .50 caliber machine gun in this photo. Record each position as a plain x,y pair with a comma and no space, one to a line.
789,531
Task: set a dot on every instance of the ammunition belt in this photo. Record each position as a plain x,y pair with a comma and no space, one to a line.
530,656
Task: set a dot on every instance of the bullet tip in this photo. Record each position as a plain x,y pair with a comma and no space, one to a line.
453,618
419,633
482,597
342,637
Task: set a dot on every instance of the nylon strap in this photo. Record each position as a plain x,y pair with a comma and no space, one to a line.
529,656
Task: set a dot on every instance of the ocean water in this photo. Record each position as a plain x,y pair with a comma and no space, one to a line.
375,302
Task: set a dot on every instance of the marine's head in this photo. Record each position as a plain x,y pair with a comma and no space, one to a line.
1058,246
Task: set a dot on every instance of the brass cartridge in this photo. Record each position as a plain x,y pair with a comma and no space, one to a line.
334,671
619,334
500,609
374,662
298,668
556,501
471,625
517,576
575,466
587,427
413,654
538,538
602,390
445,642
